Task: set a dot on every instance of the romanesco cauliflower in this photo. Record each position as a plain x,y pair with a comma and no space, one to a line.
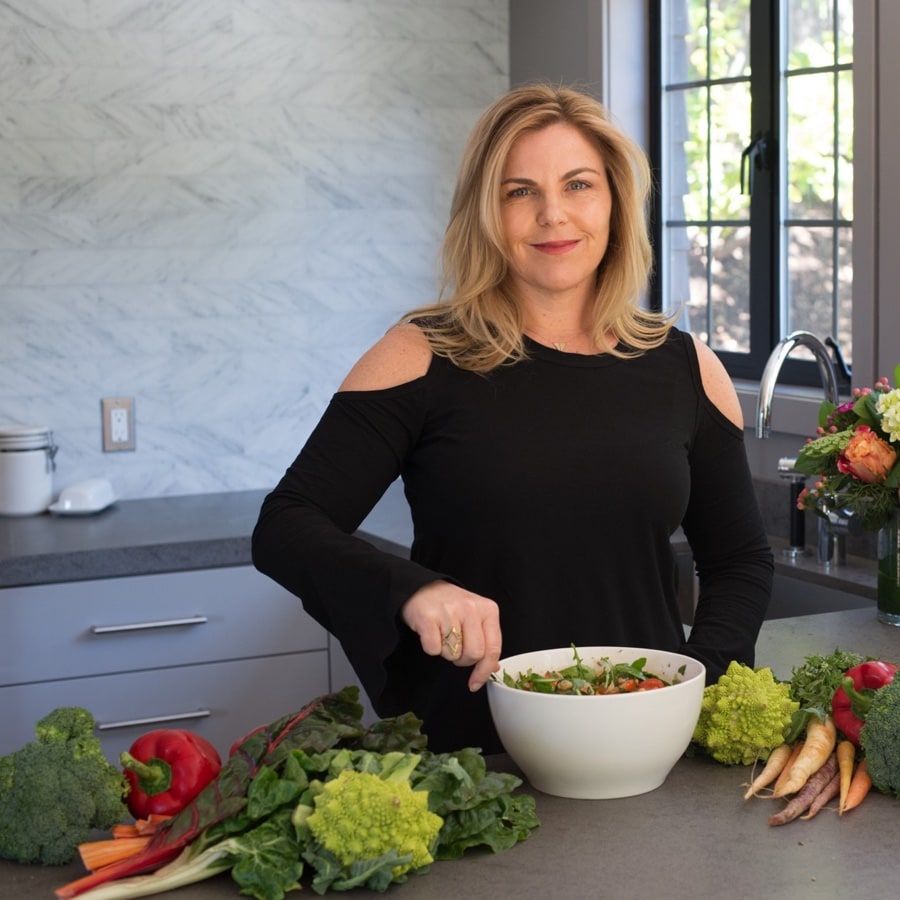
744,715
360,816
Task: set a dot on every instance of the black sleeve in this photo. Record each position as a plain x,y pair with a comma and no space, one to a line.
304,538
731,551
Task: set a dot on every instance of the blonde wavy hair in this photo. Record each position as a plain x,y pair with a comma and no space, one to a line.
476,323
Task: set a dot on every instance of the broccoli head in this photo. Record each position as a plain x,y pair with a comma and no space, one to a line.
65,723
880,738
55,790
364,817
744,715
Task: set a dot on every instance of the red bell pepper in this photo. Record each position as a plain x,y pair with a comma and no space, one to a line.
851,701
166,769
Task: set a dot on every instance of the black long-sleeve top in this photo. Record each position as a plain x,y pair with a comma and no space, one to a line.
553,486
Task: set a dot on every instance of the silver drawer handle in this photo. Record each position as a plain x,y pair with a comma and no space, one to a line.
153,720
146,626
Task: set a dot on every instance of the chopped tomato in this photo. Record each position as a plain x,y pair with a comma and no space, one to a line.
627,685
649,684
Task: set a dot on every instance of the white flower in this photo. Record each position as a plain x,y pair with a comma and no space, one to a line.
888,407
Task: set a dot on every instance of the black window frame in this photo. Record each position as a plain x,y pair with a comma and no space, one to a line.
765,278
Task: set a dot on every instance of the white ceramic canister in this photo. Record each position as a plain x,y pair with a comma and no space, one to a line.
26,469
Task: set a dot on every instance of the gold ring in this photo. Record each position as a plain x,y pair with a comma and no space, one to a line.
453,640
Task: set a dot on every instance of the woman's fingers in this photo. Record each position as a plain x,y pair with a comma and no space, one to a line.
489,659
461,627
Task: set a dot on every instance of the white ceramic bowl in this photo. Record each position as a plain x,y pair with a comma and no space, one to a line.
597,747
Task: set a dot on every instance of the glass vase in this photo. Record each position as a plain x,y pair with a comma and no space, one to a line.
889,571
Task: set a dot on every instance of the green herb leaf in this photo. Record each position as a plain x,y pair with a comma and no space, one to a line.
814,682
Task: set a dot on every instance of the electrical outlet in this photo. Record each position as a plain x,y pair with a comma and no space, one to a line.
118,423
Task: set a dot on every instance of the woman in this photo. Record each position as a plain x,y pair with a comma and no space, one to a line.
551,436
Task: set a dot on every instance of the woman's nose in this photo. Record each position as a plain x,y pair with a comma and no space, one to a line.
551,211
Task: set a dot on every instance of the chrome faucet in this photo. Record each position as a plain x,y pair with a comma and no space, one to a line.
832,525
770,374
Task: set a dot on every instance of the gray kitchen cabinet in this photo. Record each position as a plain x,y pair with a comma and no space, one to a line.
218,651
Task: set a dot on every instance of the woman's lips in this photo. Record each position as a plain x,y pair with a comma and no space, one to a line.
555,247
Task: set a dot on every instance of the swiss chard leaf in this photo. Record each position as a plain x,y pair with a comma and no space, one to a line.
374,874
496,824
267,860
475,803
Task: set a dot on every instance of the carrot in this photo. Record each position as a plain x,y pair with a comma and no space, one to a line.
97,854
828,793
139,827
151,823
859,787
126,841
774,766
808,793
846,755
786,771
818,747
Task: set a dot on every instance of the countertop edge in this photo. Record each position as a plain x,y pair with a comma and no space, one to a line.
206,531
151,559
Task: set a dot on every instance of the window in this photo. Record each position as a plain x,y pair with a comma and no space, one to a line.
754,153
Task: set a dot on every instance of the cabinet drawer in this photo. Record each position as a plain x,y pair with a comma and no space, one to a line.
221,701
123,624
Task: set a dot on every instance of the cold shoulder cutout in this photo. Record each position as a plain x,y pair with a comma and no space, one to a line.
402,355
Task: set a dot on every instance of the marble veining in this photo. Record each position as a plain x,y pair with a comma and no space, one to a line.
215,207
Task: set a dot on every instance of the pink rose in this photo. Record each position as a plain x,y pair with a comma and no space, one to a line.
867,457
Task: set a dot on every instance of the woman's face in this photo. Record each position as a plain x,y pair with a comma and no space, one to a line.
555,204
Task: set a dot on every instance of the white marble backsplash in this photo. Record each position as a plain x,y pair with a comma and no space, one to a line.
215,207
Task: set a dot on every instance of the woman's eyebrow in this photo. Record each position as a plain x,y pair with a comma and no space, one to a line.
565,177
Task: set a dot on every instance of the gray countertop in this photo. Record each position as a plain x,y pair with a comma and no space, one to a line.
694,837
164,534
171,534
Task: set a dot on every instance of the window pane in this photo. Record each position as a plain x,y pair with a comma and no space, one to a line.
730,114
810,33
729,43
685,41
679,255
809,146
696,299
810,279
845,32
686,176
729,296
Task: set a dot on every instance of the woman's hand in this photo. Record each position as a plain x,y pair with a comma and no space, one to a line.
461,626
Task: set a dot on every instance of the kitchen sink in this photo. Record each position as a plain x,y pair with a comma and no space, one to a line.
799,597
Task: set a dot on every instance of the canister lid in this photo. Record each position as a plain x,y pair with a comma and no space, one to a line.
25,437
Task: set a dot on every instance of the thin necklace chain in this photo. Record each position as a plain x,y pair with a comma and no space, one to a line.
559,345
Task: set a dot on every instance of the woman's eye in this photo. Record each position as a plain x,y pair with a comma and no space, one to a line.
518,192
578,185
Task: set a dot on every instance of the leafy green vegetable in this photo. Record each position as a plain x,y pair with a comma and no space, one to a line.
477,805
813,685
255,818
580,678
814,682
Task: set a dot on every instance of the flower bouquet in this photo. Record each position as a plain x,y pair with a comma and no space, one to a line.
856,456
